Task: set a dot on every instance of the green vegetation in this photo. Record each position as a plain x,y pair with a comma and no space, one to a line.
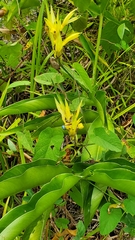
67,118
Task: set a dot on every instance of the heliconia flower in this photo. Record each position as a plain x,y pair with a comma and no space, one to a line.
64,110
70,38
55,27
71,121
68,19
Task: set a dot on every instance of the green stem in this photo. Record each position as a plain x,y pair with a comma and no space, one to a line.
35,55
21,152
97,48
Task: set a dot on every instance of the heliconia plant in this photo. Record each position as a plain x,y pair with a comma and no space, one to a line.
65,145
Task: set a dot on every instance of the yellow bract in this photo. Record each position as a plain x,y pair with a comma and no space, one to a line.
71,121
55,27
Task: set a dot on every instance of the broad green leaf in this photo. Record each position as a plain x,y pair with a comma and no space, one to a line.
121,30
129,205
74,76
96,198
11,53
87,82
86,191
108,221
92,150
22,216
18,84
49,144
76,195
33,230
50,78
82,5
81,23
106,139
87,45
26,140
94,9
123,162
36,104
103,5
110,37
62,223
37,230
29,105
130,148
11,146
129,222
26,176
114,175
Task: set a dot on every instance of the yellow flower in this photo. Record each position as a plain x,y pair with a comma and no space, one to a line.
55,27
71,121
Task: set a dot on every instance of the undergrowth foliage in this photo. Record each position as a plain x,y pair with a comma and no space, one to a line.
67,119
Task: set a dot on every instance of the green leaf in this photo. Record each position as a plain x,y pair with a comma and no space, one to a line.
110,37
129,205
12,146
87,82
26,176
75,194
18,84
108,222
4,94
22,216
96,198
121,30
94,9
37,230
11,53
75,76
82,5
106,139
103,5
50,78
80,231
115,175
86,191
26,140
92,150
30,105
81,23
129,220
29,4
62,223
87,45
49,144
132,6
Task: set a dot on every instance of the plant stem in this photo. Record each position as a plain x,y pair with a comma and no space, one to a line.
35,55
97,48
